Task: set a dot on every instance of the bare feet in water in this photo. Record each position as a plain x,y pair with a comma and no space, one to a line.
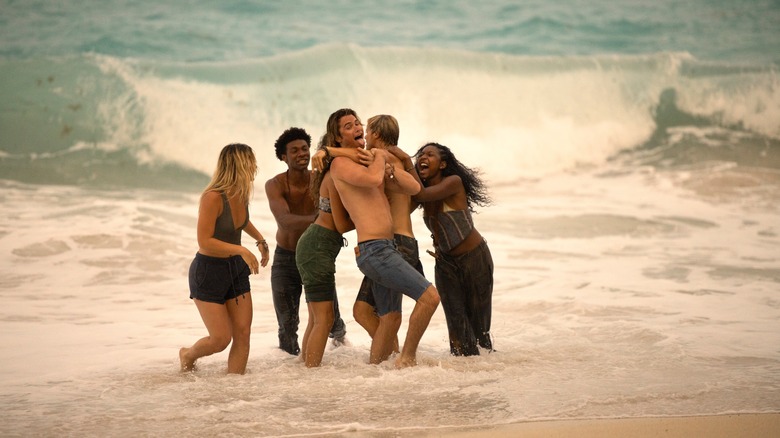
405,362
186,364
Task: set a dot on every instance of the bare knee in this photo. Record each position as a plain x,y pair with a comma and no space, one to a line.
430,297
242,333
391,320
362,312
220,342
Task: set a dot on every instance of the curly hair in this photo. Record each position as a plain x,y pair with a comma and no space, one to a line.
287,136
476,190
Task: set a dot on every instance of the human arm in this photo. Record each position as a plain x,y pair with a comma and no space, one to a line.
260,242
357,175
448,187
401,181
340,215
406,162
210,208
323,156
285,219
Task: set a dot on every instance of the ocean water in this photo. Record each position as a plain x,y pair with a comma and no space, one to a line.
632,152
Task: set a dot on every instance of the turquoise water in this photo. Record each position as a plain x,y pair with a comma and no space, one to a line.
195,31
632,150
121,93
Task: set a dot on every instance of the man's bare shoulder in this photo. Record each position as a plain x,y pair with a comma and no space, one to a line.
341,164
276,180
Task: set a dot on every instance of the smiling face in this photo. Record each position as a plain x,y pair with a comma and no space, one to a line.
429,162
351,133
297,156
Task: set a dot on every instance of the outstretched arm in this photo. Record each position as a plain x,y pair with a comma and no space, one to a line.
398,180
357,175
281,209
360,156
448,187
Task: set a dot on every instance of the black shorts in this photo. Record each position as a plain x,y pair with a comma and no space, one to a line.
216,280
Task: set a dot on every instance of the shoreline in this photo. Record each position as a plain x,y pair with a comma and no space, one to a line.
711,426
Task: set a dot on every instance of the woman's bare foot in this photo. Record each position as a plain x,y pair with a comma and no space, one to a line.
405,362
186,364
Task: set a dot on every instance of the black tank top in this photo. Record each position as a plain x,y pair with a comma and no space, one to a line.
223,230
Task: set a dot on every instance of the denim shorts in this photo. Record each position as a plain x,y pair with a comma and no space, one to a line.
409,250
392,275
216,279
315,257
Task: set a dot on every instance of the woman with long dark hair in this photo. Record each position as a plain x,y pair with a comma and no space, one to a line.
464,265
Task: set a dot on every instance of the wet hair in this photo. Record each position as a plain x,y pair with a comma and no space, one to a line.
476,191
287,136
235,172
329,140
386,127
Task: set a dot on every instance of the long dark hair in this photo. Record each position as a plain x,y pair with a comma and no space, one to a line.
476,190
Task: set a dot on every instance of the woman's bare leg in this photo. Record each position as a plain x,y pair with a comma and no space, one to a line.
215,317
240,311
318,338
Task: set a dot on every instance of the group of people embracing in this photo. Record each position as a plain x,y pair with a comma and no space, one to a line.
359,180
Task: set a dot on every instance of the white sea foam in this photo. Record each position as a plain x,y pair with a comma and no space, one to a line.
621,295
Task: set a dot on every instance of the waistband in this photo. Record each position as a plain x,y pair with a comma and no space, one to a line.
211,259
372,242
283,251
448,257
404,239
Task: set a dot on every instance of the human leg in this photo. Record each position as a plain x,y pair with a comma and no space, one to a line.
385,337
286,289
316,255
379,261
339,328
364,309
217,321
240,313
418,322
478,266
449,280
318,337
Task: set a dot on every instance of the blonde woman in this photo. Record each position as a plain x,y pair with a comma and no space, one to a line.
219,274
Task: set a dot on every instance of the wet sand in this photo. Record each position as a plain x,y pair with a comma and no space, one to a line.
711,426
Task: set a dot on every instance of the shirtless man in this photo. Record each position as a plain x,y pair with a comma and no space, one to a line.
382,132
362,192
293,208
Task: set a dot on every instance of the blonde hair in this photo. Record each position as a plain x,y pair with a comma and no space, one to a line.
386,127
235,172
